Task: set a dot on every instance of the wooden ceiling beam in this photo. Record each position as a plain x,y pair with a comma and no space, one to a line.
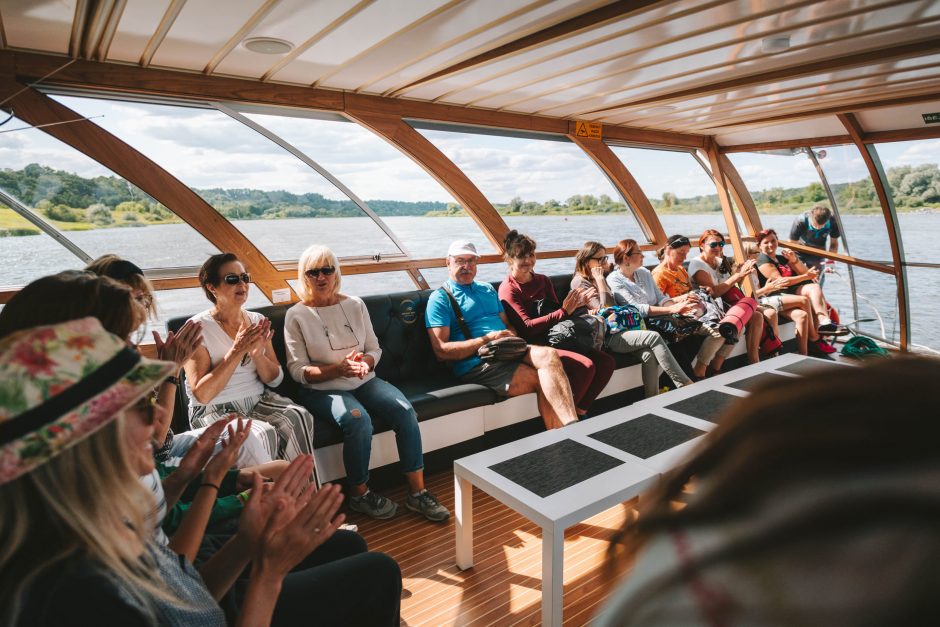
592,19
880,55
809,142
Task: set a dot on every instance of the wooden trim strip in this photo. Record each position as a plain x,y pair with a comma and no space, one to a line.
92,140
625,134
903,51
78,28
104,44
891,223
401,135
809,142
742,197
166,23
902,135
591,19
721,183
846,259
626,184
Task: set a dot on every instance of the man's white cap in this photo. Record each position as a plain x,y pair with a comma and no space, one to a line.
462,247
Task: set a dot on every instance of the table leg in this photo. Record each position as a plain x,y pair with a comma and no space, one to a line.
553,576
463,518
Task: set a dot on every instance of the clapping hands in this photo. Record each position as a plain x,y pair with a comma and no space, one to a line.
179,346
353,365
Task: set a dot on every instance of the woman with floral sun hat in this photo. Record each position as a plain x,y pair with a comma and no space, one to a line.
76,421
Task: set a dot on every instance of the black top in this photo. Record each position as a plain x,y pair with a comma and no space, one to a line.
781,263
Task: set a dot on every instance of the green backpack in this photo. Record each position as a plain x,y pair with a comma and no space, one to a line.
861,347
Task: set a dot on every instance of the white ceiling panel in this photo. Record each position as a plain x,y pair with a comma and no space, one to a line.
371,26
138,23
893,118
44,26
818,127
200,30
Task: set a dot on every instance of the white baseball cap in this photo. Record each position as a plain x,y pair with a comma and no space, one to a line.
462,247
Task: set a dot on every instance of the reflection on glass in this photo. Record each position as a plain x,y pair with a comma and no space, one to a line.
543,182
98,210
914,180
373,283
413,205
675,183
276,200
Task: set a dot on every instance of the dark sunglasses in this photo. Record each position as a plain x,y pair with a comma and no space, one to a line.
716,244
635,253
680,242
315,272
233,279
602,258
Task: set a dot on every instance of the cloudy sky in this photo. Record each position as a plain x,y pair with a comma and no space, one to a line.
206,148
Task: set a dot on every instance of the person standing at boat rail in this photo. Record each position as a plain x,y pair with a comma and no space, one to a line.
813,228
332,352
540,369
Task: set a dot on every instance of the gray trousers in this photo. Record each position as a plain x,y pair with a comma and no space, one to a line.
655,354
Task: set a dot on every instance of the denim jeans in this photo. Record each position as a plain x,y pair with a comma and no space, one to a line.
654,354
352,410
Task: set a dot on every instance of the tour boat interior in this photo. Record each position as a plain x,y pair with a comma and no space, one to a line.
168,130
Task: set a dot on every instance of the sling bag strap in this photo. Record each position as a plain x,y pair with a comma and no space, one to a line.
460,321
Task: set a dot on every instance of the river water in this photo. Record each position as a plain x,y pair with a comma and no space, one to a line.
23,259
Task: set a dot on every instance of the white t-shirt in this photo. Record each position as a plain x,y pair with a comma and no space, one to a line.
244,382
698,264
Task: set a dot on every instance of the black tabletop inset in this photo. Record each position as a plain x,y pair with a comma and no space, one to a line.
750,383
707,405
647,435
555,467
811,366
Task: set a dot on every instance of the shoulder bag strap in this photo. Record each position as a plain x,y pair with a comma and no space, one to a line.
460,321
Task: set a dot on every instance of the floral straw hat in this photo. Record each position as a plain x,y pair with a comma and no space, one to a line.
61,383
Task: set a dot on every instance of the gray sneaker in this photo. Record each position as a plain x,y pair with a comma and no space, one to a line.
374,505
428,506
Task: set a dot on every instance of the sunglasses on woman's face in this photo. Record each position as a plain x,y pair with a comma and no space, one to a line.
315,272
716,244
233,279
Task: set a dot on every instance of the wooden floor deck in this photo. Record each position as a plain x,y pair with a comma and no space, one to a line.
503,588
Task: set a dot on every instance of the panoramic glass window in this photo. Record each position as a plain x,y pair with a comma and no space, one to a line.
548,189
372,283
276,200
681,192
96,209
419,212
26,253
857,201
914,180
189,301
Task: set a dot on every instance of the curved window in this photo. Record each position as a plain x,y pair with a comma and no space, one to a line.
418,211
276,200
538,185
681,192
26,253
372,283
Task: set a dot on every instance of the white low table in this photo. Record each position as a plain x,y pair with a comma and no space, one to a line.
557,509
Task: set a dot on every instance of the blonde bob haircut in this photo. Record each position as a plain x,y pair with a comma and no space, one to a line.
316,256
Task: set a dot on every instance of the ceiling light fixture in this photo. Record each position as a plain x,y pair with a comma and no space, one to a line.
268,45
775,44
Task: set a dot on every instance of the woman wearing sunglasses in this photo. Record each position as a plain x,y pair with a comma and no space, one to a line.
712,271
332,352
228,372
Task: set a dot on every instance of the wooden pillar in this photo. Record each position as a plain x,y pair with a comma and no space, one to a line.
388,124
628,187
742,197
722,185
879,181
90,139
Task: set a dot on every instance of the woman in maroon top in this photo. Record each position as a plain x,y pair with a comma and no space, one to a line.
523,292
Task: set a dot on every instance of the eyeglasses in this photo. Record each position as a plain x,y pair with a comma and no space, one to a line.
680,242
315,272
716,244
233,279
601,258
472,261
635,253
147,407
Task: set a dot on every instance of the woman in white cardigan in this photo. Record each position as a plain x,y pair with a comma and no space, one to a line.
332,351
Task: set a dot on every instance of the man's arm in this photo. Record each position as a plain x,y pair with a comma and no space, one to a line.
833,243
445,350
797,228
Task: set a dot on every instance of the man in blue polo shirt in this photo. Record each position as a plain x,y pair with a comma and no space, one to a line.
539,371
813,228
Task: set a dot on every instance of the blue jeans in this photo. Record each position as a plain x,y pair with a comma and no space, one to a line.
351,409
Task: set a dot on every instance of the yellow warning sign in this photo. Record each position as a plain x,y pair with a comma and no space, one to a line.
591,130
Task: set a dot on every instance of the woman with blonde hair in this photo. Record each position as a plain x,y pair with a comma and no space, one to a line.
332,352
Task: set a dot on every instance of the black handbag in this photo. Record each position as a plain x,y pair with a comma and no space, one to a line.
673,327
581,333
511,348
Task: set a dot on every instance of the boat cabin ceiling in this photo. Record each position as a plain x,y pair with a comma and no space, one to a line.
713,79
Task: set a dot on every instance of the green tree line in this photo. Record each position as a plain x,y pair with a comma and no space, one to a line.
74,201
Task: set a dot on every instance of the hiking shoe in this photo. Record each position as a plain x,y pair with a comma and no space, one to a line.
821,347
832,329
428,506
374,505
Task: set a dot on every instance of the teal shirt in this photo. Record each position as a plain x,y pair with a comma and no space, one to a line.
481,309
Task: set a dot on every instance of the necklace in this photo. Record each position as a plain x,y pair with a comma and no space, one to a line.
228,327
